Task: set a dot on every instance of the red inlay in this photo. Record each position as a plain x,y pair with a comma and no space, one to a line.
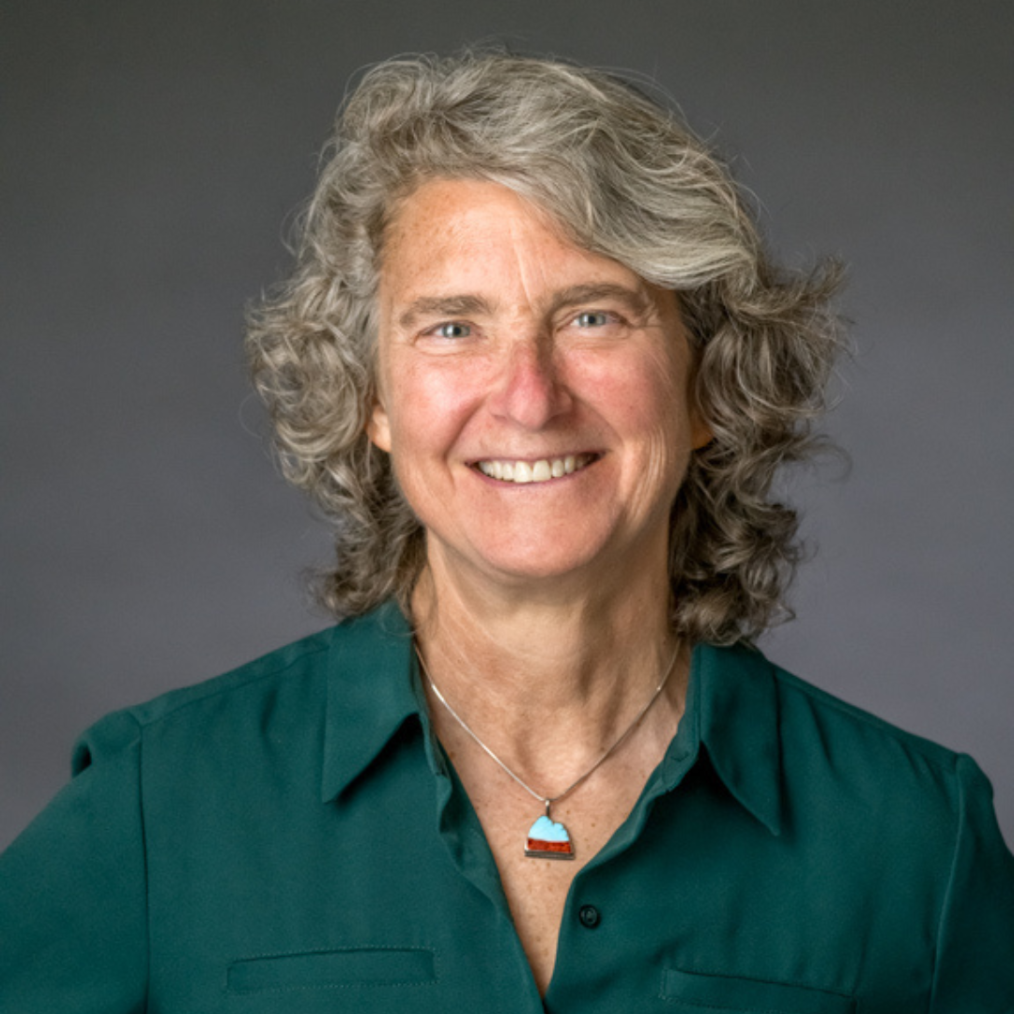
538,845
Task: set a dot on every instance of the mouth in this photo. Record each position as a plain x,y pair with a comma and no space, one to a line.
541,470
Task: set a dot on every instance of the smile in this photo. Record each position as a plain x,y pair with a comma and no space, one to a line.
534,471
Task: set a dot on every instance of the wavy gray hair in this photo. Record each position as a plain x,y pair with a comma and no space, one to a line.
625,179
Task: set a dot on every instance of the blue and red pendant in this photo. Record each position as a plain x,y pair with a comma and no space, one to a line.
548,839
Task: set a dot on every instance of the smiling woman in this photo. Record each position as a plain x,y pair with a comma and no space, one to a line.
536,368
614,175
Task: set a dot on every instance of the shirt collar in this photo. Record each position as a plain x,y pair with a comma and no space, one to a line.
731,707
370,693
734,697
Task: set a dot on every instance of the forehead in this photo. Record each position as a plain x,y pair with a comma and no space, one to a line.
477,233
456,203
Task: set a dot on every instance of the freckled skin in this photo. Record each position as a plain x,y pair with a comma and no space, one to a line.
527,382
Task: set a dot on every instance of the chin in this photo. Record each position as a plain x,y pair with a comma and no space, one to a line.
544,566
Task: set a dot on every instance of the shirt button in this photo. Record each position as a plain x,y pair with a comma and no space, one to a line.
589,916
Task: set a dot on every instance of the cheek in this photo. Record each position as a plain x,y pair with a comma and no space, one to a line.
429,405
640,397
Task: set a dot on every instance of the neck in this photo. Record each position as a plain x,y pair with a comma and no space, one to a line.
517,666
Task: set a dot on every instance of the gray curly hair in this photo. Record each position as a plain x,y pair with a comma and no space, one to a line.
624,178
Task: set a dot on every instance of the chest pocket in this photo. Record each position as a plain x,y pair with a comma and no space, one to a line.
349,968
722,994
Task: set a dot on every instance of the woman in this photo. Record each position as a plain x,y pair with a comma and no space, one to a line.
535,366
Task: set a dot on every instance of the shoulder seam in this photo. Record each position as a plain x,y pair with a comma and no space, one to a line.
209,694
944,756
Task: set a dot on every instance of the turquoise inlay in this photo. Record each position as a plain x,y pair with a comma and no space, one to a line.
545,829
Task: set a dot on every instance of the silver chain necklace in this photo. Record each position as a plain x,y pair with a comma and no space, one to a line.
549,839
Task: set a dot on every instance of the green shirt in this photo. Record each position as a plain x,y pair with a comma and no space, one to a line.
290,838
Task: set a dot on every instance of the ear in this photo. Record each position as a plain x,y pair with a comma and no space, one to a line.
700,432
378,426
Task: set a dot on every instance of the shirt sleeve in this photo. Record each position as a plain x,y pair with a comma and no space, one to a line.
73,919
974,972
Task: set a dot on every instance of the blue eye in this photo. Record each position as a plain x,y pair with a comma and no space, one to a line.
592,319
453,330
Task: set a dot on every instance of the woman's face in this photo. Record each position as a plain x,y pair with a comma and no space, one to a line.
533,396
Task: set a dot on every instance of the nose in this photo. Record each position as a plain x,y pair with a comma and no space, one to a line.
530,391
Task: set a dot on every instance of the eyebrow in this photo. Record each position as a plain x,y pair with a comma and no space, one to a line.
636,299
442,306
468,304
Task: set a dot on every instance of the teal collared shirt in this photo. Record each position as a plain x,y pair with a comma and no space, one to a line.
290,838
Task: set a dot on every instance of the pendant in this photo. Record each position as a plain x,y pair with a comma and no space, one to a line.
548,839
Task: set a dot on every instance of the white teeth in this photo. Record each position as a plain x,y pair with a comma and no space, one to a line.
537,471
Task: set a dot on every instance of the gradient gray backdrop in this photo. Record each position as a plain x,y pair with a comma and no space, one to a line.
150,154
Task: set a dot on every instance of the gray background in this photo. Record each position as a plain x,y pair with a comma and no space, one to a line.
150,154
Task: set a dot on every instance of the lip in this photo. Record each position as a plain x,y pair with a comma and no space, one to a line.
539,470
